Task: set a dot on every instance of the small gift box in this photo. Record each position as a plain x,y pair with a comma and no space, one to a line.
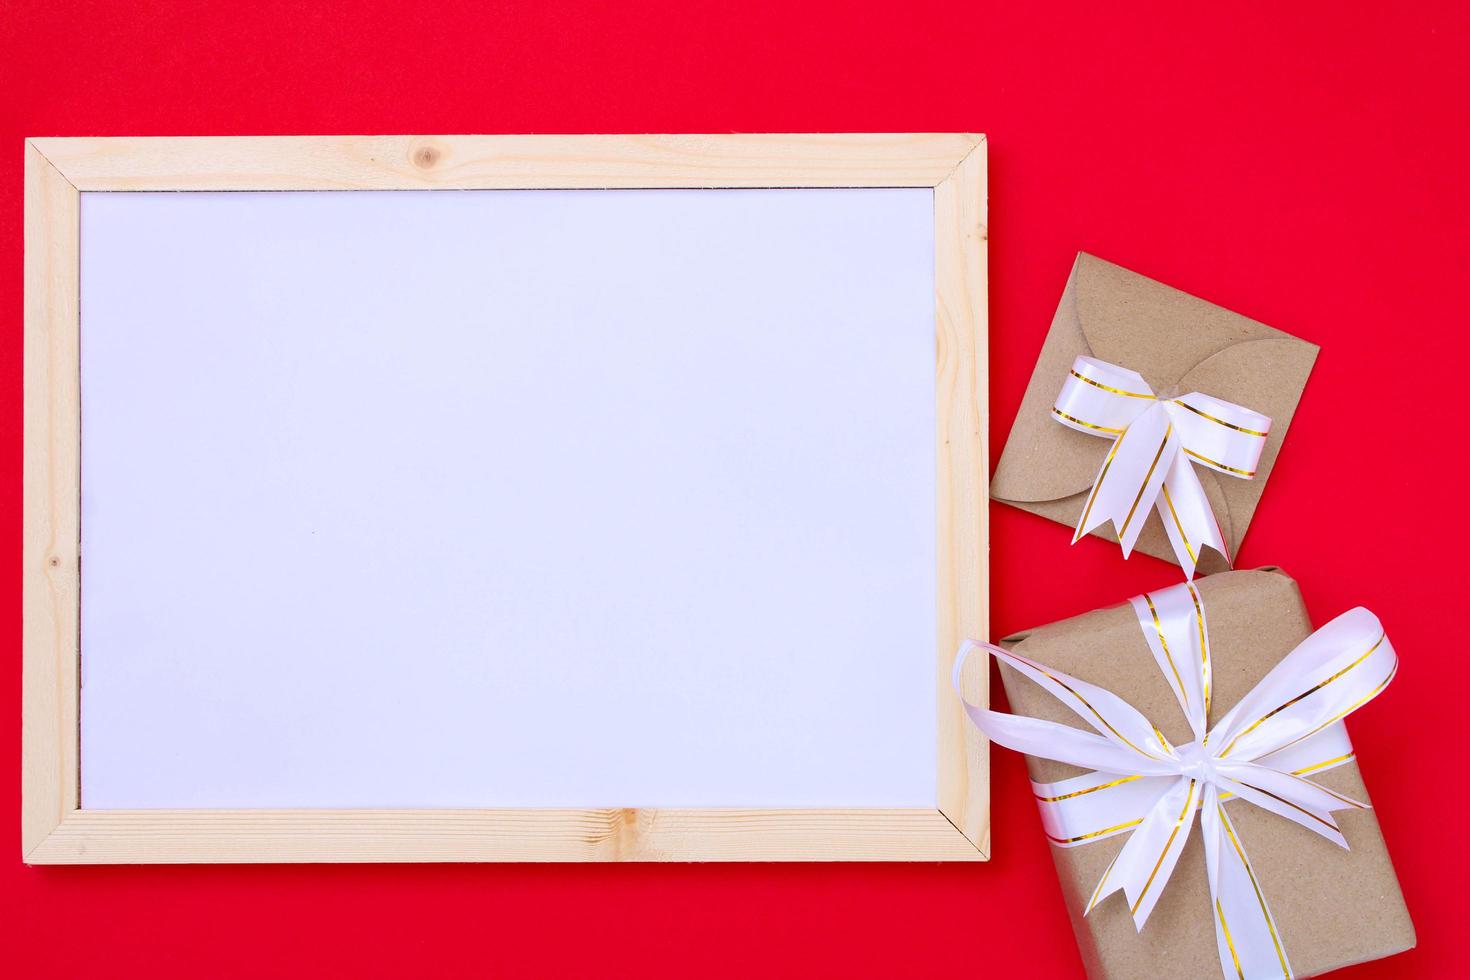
1207,394
1220,826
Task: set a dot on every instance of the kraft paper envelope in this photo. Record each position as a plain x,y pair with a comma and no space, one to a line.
1179,343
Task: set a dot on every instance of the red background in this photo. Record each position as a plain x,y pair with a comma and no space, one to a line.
1302,166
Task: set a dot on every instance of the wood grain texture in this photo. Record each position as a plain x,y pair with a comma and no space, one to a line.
964,589
482,162
54,830
248,836
50,549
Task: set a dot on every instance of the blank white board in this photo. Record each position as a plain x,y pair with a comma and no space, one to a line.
508,498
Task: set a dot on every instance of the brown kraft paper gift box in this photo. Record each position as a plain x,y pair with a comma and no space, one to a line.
1179,344
1333,908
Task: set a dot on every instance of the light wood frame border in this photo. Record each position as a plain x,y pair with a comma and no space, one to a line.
54,830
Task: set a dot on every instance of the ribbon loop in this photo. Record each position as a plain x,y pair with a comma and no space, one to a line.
1099,397
1331,674
1219,434
1262,751
1156,443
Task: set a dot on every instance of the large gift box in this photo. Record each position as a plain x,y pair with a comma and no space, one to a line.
1170,344
1331,907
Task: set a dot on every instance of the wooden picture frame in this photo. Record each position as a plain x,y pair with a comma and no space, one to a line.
56,831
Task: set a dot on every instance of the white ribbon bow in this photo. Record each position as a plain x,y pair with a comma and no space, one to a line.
1155,441
1289,725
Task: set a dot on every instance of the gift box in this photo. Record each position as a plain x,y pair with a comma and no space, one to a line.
1331,907
1179,344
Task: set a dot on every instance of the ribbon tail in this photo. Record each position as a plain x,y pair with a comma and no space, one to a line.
1188,518
1297,799
1316,819
1131,476
1139,868
1148,858
1104,889
1213,835
1246,936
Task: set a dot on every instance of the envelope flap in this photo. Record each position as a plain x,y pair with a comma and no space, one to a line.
1154,329
1266,376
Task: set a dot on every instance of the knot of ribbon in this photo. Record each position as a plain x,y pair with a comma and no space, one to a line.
1260,751
1156,443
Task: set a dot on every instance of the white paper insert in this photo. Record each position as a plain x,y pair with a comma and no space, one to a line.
508,498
